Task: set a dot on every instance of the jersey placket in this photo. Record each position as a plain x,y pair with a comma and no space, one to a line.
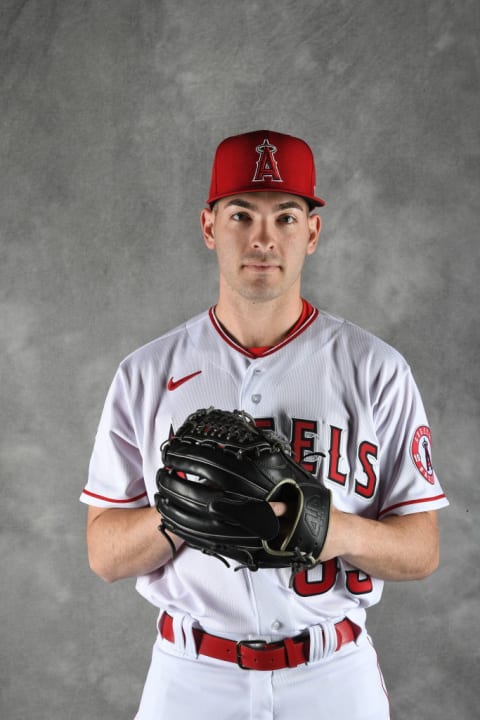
252,388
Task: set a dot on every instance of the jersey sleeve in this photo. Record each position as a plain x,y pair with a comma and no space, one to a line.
115,476
409,482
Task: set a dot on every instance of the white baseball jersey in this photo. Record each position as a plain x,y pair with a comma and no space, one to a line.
352,412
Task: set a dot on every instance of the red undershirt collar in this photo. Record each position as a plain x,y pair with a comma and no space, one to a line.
307,311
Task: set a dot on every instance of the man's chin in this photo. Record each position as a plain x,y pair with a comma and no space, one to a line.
260,295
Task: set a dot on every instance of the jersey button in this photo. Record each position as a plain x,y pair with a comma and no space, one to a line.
256,398
276,625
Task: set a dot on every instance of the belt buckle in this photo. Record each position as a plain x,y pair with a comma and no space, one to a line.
253,645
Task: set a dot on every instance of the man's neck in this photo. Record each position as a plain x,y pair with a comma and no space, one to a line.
259,324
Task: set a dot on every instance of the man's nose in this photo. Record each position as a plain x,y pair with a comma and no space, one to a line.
263,236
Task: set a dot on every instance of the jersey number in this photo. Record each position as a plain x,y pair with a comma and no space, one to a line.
357,582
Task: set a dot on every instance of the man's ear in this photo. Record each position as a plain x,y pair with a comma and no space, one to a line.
207,221
315,228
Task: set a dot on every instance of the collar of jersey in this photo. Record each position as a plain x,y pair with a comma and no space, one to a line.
307,316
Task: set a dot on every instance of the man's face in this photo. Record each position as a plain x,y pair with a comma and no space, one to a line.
261,240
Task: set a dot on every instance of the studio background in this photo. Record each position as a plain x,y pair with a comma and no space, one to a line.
110,112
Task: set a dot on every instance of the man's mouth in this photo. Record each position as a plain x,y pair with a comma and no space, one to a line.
259,265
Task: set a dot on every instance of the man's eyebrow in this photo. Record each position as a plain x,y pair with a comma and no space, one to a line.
241,203
290,204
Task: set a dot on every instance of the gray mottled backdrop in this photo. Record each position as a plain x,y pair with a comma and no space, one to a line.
110,111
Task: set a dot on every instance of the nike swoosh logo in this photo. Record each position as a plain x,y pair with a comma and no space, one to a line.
174,384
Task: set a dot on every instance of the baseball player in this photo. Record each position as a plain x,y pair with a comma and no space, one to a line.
353,416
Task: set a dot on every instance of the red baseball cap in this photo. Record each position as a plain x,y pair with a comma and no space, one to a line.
262,161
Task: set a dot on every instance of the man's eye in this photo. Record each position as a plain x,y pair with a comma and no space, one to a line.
287,219
240,216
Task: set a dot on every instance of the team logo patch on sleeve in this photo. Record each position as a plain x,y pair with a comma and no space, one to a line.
421,450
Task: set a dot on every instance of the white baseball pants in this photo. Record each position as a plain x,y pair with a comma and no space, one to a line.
348,685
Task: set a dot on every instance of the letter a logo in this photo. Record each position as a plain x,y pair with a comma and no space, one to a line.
266,164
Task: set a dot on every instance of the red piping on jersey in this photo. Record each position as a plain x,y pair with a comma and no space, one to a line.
113,500
411,502
269,351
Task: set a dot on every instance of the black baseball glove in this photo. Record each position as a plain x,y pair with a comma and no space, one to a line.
220,473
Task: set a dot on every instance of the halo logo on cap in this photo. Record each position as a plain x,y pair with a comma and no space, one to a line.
266,164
